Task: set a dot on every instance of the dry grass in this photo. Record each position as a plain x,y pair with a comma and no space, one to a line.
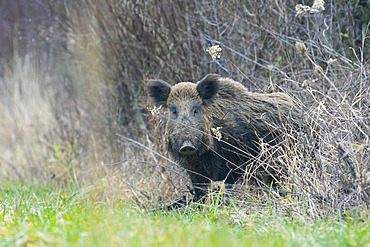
69,121
27,122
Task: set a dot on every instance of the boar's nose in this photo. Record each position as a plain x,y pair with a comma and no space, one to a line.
187,148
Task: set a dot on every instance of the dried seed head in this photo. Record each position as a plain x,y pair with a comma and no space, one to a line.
155,110
300,47
301,9
318,69
317,6
330,61
215,51
217,133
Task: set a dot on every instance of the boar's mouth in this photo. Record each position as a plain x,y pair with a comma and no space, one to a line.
187,148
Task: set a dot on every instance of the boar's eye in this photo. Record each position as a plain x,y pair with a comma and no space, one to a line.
196,111
173,111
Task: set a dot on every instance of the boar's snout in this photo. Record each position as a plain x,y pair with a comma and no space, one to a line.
187,148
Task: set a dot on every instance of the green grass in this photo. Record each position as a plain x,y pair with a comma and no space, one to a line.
45,216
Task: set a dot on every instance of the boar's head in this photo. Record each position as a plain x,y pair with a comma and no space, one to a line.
189,125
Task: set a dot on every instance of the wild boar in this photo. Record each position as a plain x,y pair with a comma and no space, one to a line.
215,126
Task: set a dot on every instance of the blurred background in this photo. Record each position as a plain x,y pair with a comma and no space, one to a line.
73,106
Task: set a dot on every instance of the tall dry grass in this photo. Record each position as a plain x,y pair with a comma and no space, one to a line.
50,131
27,122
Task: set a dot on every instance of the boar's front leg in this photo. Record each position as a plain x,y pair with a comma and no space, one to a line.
200,184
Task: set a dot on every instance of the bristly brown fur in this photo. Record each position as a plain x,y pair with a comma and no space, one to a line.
243,119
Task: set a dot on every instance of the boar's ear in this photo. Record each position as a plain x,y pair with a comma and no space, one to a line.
159,91
208,86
